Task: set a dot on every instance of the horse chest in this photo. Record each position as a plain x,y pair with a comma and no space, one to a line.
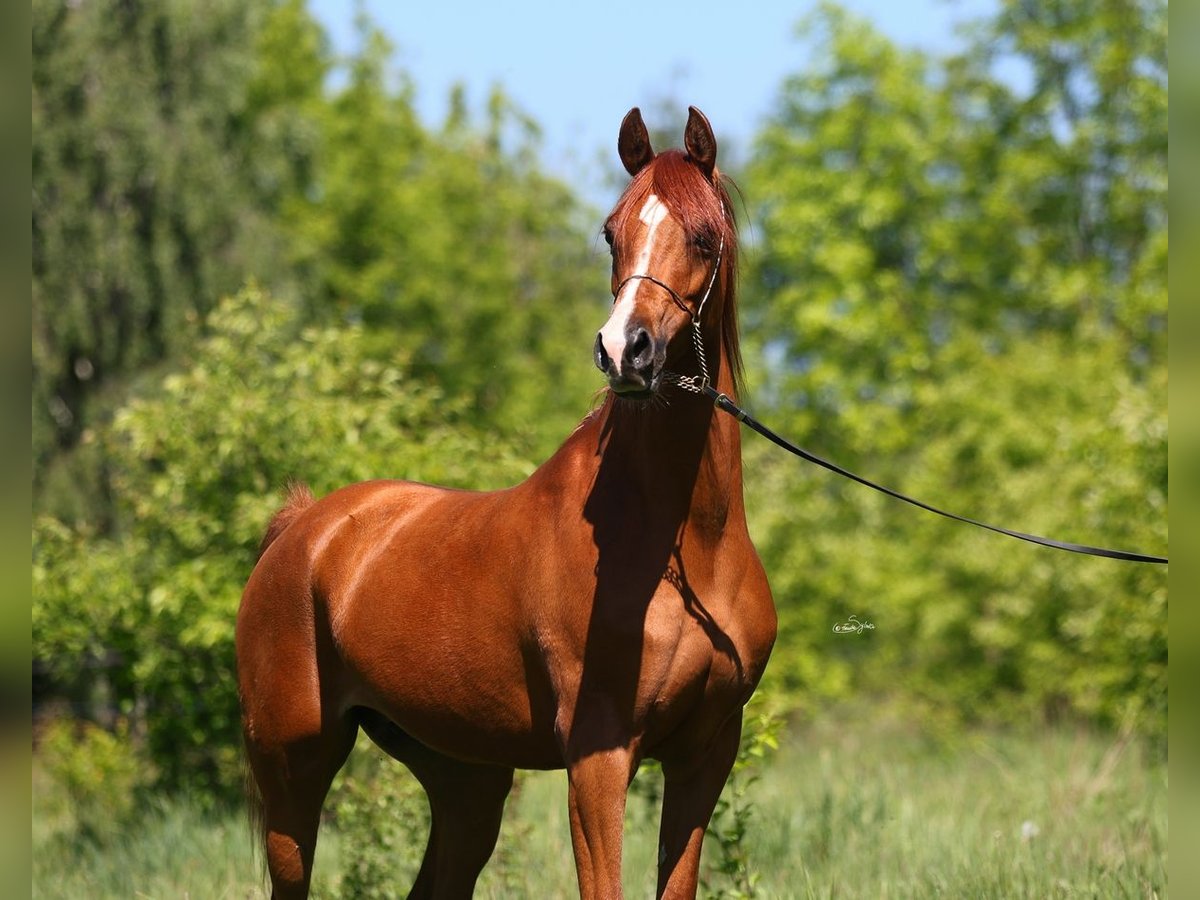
696,655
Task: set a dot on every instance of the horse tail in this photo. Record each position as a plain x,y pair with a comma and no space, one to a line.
299,498
256,813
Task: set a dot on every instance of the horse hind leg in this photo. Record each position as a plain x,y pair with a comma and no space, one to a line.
292,778
466,804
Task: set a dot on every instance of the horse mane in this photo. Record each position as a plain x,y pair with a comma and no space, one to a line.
677,182
299,498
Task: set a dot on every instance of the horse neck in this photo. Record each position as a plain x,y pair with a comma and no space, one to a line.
681,459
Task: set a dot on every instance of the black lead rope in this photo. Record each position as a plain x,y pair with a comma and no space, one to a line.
699,384
723,402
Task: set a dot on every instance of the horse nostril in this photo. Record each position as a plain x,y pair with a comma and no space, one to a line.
603,363
638,350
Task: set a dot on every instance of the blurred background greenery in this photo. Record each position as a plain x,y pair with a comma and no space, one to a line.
247,271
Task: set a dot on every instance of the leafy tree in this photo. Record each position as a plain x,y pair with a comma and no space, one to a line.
962,291
451,246
178,153
160,152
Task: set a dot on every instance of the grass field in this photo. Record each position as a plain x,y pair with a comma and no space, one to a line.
849,807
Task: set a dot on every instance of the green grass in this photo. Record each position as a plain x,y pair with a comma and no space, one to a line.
847,811
849,807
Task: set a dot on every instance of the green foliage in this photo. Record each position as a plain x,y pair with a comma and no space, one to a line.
961,293
451,246
862,804
169,847
379,817
97,775
177,154
197,466
149,201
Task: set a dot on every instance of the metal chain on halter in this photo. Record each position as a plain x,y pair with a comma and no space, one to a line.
697,383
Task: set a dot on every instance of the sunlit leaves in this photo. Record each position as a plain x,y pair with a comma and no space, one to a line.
453,248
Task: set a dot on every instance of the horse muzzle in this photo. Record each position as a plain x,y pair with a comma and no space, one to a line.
632,360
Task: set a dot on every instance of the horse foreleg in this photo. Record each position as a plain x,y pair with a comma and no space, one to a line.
690,793
596,796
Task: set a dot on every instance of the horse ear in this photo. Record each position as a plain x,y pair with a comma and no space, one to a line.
633,144
699,142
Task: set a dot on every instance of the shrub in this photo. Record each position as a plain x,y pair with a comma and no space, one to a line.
99,774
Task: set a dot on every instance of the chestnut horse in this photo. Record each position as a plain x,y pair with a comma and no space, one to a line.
609,609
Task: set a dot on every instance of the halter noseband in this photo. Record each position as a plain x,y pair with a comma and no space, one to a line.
674,294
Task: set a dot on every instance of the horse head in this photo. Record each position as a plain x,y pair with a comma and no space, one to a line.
674,251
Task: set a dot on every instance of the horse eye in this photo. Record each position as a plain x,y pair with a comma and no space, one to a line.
608,235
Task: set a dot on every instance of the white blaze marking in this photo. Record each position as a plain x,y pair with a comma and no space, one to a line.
612,335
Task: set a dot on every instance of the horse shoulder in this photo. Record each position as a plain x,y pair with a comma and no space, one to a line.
745,609
757,616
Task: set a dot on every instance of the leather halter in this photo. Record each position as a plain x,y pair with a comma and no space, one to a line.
694,383
674,294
